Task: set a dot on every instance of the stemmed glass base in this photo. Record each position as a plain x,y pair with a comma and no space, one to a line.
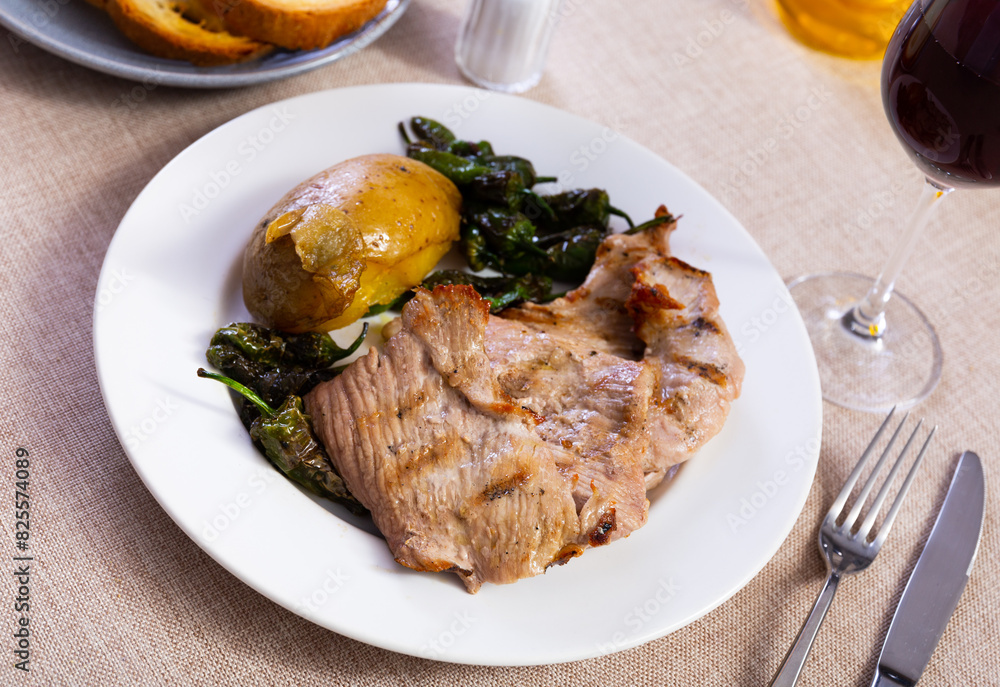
859,370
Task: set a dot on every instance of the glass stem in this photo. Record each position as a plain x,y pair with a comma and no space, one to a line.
867,318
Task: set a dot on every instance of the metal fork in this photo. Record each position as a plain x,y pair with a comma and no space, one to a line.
848,551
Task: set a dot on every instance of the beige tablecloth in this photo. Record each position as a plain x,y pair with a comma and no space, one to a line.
794,143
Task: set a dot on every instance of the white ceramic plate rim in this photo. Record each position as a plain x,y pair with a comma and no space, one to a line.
171,277
81,34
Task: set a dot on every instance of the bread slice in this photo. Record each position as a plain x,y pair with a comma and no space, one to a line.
297,24
182,30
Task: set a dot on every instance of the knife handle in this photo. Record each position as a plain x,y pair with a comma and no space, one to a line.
884,679
791,667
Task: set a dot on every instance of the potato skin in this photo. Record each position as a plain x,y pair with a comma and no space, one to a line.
402,207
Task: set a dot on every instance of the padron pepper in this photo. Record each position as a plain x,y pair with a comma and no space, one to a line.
567,256
436,134
288,442
572,253
473,245
473,150
459,170
575,208
513,163
440,137
504,231
506,189
499,188
274,365
262,345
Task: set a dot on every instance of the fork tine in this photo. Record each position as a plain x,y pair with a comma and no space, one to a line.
870,484
887,525
838,504
884,491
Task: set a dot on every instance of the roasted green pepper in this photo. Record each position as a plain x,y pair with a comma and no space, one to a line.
501,188
573,209
473,245
512,163
504,231
473,150
261,345
505,189
436,134
276,365
288,442
461,171
572,253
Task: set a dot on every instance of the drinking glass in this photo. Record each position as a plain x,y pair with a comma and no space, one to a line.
941,93
502,44
850,28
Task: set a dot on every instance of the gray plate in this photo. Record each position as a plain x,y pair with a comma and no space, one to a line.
80,33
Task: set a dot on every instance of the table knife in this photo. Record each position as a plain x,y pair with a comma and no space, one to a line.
937,581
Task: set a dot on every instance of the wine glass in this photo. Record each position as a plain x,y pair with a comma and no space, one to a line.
941,92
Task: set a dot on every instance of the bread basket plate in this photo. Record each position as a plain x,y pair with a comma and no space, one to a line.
81,33
171,277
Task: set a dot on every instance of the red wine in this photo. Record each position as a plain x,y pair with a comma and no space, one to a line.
941,89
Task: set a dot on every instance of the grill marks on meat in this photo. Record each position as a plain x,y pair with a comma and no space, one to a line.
651,322
496,447
593,405
452,471
698,371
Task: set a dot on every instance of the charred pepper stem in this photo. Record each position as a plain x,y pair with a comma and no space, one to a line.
621,213
655,222
287,438
402,132
247,393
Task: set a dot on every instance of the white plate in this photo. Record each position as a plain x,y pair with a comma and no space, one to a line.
83,34
172,276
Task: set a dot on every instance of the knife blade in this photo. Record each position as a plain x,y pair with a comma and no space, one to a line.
937,581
